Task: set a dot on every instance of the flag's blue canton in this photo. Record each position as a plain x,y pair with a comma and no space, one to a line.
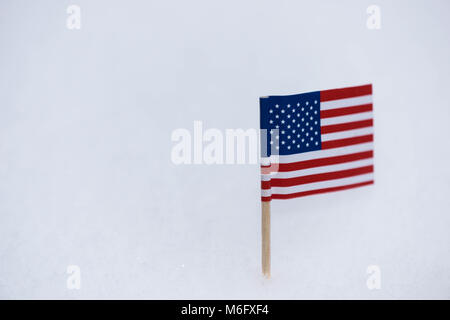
297,118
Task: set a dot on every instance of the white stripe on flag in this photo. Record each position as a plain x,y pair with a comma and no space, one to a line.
317,185
349,102
348,118
321,153
322,169
347,134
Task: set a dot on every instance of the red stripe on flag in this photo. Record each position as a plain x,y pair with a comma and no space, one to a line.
268,169
345,111
346,142
344,93
306,164
318,191
289,182
346,126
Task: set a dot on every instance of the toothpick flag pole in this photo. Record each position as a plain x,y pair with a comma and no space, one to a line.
265,230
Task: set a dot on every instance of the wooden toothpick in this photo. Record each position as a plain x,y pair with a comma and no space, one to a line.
265,230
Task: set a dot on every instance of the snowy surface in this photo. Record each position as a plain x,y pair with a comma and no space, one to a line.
86,176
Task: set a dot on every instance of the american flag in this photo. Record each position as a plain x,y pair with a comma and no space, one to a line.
316,142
